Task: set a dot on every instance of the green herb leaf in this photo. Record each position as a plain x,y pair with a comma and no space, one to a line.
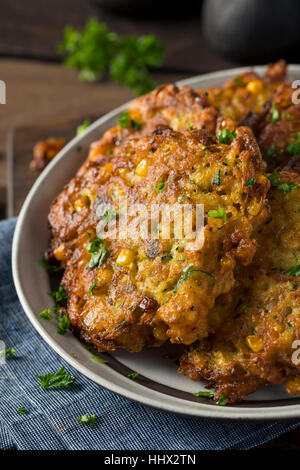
271,153
86,123
98,250
98,359
238,81
293,271
160,186
90,420
284,187
208,395
217,179
180,198
22,411
9,352
92,287
58,379
63,323
46,314
226,136
59,295
222,400
109,215
133,376
289,116
250,182
187,271
218,214
98,51
51,268
275,115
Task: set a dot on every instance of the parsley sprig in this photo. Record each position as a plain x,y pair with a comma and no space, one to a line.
218,213
275,180
293,271
126,121
97,52
90,420
98,250
275,115
58,379
187,271
226,136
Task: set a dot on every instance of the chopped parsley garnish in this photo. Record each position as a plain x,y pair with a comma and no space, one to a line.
74,355
59,295
59,379
51,268
98,250
293,271
46,314
180,198
92,287
209,395
293,147
226,136
289,116
22,411
160,186
125,120
86,123
9,352
90,420
109,214
271,153
98,359
217,179
284,187
238,81
63,323
187,271
250,182
275,115
218,214
274,179
222,400
133,375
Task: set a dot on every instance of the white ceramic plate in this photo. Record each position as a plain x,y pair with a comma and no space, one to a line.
158,384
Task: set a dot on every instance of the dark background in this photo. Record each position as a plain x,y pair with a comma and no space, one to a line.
44,96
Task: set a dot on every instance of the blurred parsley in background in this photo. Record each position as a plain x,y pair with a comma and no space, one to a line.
98,52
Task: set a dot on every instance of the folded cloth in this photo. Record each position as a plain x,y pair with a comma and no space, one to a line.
50,421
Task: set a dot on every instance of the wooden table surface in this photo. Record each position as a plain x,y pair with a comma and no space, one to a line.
41,92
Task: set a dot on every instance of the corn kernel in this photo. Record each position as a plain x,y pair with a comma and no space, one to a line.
105,172
142,168
255,343
255,86
125,257
104,277
60,252
159,333
81,203
292,385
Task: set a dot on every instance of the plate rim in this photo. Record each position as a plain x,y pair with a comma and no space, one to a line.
134,392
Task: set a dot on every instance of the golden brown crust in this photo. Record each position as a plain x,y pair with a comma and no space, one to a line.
187,164
44,151
254,346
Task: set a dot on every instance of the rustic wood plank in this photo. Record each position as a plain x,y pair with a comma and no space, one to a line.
33,28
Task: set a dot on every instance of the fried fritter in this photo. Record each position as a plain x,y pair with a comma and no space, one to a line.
44,151
255,345
125,293
247,92
167,106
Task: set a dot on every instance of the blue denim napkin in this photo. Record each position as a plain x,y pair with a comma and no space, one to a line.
51,418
